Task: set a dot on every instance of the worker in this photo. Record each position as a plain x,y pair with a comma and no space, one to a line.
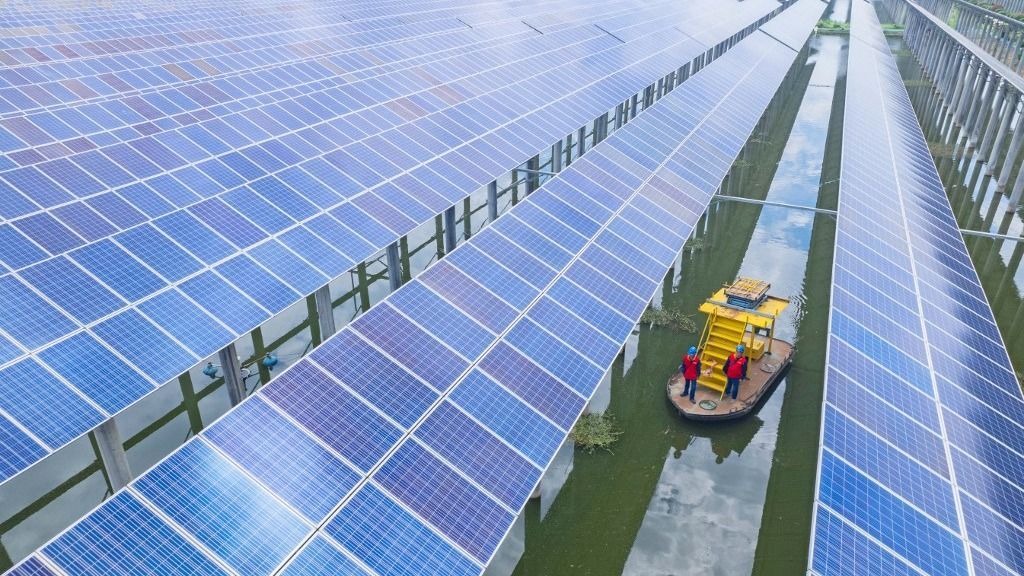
735,368
690,368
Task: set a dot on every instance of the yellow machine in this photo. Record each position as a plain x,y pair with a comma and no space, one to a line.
741,313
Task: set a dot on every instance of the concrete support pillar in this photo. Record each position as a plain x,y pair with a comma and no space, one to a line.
964,96
1004,128
994,121
632,106
492,201
958,82
660,90
979,95
1018,189
532,178
112,454
981,109
231,371
581,141
394,266
449,229
556,157
1011,154
602,396
618,115
325,311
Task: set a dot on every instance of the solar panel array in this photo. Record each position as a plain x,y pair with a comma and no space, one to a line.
176,219
407,442
920,469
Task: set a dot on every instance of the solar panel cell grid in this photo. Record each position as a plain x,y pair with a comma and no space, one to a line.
334,415
446,500
429,491
223,508
317,478
392,541
123,538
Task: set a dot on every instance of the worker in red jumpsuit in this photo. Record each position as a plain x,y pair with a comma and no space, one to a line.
690,368
735,368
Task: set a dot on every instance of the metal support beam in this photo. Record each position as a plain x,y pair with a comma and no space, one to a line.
394,266
492,201
530,171
112,454
232,373
325,312
992,235
725,197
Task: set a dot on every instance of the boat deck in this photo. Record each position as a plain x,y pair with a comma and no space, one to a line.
709,404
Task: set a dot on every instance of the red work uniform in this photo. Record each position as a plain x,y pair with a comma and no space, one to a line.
691,367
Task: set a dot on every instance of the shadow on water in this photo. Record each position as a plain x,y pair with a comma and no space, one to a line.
678,497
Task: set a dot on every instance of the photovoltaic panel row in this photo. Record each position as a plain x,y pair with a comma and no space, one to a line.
123,64
921,462
154,300
137,49
471,442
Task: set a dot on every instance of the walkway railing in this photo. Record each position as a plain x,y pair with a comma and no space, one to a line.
979,92
997,33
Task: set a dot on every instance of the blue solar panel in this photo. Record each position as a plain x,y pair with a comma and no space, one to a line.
71,288
223,508
334,415
443,498
321,558
392,541
430,506
508,416
917,389
32,566
124,537
267,290
28,318
479,454
438,316
144,345
495,302
223,300
417,350
117,269
96,371
315,480
44,405
186,322
17,449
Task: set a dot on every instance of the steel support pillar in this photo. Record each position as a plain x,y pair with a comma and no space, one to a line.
231,371
492,201
449,229
112,454
325,312
394,266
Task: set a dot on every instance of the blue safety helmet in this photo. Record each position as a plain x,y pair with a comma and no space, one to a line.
693,350
740,348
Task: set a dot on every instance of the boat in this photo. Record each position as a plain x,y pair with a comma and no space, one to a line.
740,313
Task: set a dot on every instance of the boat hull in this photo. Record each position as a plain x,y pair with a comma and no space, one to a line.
709,405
